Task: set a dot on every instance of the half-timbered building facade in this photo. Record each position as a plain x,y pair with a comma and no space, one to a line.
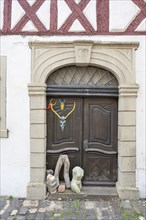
73,81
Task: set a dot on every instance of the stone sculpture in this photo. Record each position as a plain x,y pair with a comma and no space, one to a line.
76,184
63,160
51,183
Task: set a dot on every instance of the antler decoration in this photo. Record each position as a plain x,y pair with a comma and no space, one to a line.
62,118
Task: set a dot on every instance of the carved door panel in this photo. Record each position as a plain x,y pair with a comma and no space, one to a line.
89,138
100,141
68,141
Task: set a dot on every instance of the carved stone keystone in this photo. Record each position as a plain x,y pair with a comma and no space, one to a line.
83,54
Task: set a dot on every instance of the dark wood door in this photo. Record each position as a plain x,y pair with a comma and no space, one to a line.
99,159
89,138
68,141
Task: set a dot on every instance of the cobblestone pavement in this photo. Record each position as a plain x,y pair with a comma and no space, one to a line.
101,209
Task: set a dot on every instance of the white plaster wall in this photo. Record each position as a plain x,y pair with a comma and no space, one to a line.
15,150
141,118
124,7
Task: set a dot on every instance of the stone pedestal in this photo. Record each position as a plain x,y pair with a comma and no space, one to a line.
130,193
36,191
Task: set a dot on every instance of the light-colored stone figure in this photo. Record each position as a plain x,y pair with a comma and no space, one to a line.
49,172
51,183
76,184
63,160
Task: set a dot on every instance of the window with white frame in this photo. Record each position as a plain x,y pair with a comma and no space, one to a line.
3,130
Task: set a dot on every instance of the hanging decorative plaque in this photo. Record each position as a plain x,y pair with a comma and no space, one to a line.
62,119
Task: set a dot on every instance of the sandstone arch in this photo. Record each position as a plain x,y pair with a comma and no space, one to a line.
118,58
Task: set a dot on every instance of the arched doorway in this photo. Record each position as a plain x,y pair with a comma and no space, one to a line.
116,57
89,136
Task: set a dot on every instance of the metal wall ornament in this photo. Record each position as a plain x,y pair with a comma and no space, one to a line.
62,104
62,119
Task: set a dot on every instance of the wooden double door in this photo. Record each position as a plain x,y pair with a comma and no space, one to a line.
89,137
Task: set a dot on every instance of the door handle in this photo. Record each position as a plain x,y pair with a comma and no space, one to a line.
85,144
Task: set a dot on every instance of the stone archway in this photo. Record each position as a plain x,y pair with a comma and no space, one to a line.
118,58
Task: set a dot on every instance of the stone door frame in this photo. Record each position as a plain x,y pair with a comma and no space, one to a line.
119,59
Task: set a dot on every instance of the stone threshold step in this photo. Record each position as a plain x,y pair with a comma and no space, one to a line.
86,193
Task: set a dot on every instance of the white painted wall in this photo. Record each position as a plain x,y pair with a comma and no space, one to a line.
15,151
141,118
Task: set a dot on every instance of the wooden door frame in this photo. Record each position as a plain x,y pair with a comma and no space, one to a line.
119,59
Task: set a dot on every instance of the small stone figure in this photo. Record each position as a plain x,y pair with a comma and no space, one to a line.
49,172
76,184
63,160
61,188
51,183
